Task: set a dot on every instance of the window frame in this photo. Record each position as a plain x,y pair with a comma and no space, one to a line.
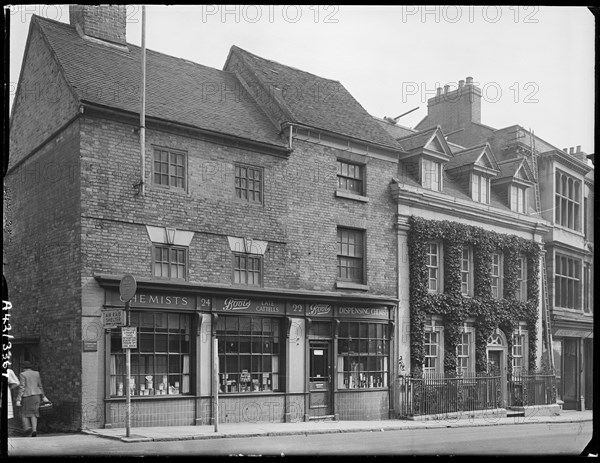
251,338
499,276
170,248
117,356
433,326
238,180
361,260
169,174
521,291
370,348
469,369
468,273
482,180
247,257
347,178
567,204
567,286
520,368
518,199
438,268
427,180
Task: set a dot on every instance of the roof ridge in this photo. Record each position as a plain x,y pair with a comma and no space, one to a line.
284,65
132,45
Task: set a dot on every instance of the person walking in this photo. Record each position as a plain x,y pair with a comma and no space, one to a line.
31,393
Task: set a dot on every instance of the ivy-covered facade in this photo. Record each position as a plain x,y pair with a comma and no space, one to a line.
455,308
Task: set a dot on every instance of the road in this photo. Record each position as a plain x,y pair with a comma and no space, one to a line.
528,439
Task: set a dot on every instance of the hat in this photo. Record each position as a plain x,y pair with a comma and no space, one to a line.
26,364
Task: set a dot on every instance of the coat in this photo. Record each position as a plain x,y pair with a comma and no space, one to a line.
31,384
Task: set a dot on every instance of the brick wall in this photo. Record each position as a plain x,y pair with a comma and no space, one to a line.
42,260
43,103
106,22
299,216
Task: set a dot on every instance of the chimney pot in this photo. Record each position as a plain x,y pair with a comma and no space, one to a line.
446,87
469,80
461,83
439,91
579,148
571,150
566,150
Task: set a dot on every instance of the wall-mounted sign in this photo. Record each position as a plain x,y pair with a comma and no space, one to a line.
319,310
113,318
90,346
380,312
151,299
129,337
235,304
127,287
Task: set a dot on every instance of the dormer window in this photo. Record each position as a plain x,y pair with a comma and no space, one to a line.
431,174
518,199
480,188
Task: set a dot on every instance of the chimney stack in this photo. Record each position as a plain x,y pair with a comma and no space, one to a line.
571,150
469,81
446,87
578,149
103,22
439,91
461,83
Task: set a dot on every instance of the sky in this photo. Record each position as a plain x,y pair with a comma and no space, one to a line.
534,65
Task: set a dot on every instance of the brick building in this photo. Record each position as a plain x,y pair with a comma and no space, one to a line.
262,222
566,204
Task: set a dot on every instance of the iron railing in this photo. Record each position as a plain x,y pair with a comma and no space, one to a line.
435,395
441,395
533,388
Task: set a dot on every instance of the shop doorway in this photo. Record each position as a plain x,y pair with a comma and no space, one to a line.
320,379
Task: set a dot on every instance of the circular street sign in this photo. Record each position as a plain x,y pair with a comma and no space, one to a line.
127,287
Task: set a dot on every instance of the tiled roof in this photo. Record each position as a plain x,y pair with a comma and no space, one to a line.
176,90
469,156
395,130
416,140
316,101
509,167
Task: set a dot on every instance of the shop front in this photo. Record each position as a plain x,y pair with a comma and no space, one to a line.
278,359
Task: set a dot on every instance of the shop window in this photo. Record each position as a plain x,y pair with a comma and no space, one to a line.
431,174
249,183
521,292
249,353
170,169
519,352
170,262
465,353
161,363
247,269
363,355
434,267
350,244
567,199
466,271
567,282
497,275
350,177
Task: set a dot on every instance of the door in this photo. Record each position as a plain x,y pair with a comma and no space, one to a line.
320,378
497,366
570,373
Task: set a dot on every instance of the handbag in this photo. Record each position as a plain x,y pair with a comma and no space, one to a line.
46,408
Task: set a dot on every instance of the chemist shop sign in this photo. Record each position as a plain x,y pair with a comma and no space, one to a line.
152,299
236,304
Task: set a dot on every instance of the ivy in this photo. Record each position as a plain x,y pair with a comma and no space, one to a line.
455,309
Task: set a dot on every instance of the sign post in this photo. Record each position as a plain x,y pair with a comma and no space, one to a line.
216,384
127,289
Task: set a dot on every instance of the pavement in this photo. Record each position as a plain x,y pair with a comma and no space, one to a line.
262,429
